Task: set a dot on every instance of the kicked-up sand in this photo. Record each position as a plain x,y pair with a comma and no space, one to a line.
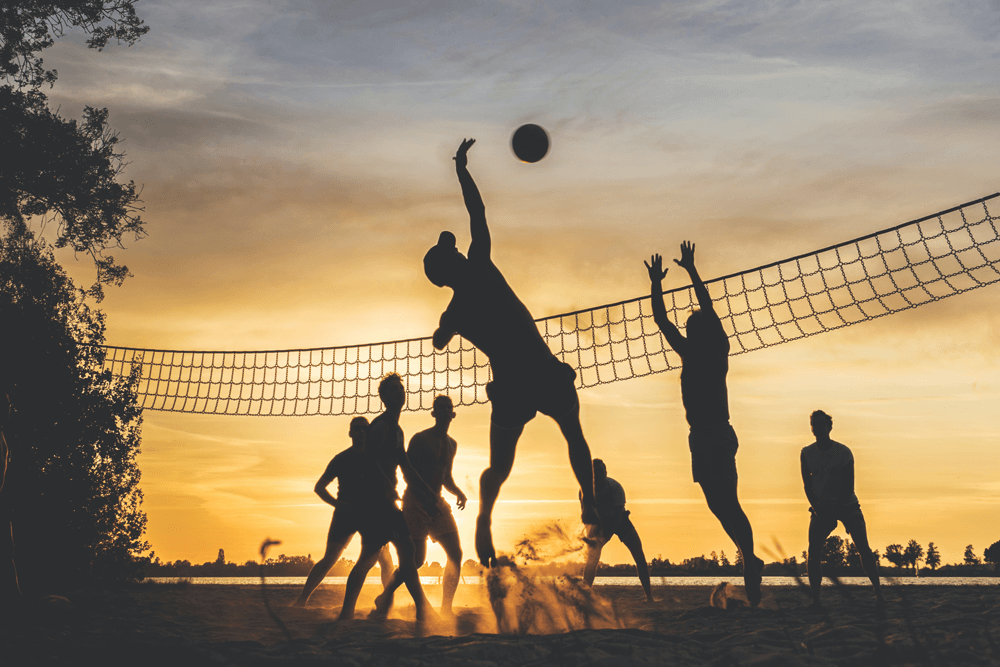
188,624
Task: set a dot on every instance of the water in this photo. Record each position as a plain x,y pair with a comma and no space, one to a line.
606,581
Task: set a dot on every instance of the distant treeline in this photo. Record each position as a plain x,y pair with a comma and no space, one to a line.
840,559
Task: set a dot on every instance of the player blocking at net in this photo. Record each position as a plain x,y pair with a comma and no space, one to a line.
527,377
704,364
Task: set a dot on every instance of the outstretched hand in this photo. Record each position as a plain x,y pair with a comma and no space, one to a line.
655,268
460,501
687,256
461,156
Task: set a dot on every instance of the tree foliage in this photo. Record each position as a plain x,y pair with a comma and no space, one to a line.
933,556
835,553
74,433
58,172
970,557
28,27
992,553
65,173
912,554
894,554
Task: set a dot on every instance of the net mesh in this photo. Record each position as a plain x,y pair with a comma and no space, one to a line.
909,265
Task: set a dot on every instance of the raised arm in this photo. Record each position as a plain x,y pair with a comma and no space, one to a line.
481,243
656,275
687,262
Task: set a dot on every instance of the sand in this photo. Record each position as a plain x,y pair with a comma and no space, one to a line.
229,625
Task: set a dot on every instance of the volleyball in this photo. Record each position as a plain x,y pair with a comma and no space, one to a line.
530,143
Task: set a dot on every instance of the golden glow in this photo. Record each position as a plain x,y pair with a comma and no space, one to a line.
290,197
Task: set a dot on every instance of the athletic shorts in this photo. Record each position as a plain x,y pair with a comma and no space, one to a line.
343,525
548,388
713,453
422,525
381,525
852,518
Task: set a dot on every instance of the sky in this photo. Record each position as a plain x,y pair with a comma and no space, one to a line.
295,160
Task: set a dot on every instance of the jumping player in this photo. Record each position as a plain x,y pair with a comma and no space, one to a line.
705,362
828,476
614,521
432,453
527,378
348,469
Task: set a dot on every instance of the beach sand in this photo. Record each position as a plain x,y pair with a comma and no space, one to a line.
165,624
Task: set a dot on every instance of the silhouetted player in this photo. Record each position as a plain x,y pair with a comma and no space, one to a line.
432,454
614,521
382,522
828,476
9,589
348,468
527,378
705,362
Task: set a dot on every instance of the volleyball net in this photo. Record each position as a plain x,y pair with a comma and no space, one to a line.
895,269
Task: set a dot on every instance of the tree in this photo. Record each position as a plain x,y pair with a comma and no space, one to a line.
56,171
992,554
221,558
970,556
894,554
933,557
27,27
912,554
75,431
723,560
835,553
63,172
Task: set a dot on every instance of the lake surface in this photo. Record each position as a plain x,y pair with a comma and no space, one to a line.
608,581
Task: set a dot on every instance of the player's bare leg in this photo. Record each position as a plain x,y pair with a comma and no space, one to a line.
630,538
581,462
390,582
320,570
356,579
408,571
724,503
595,545
452,571
818,533
503,444
868,562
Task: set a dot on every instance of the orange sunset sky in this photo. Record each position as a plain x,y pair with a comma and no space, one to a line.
296,165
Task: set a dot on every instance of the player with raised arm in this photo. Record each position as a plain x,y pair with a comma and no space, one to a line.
704,356
347,468
382,521
828,477
432,453
527,377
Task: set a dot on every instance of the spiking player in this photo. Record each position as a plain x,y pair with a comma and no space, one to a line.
527,378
